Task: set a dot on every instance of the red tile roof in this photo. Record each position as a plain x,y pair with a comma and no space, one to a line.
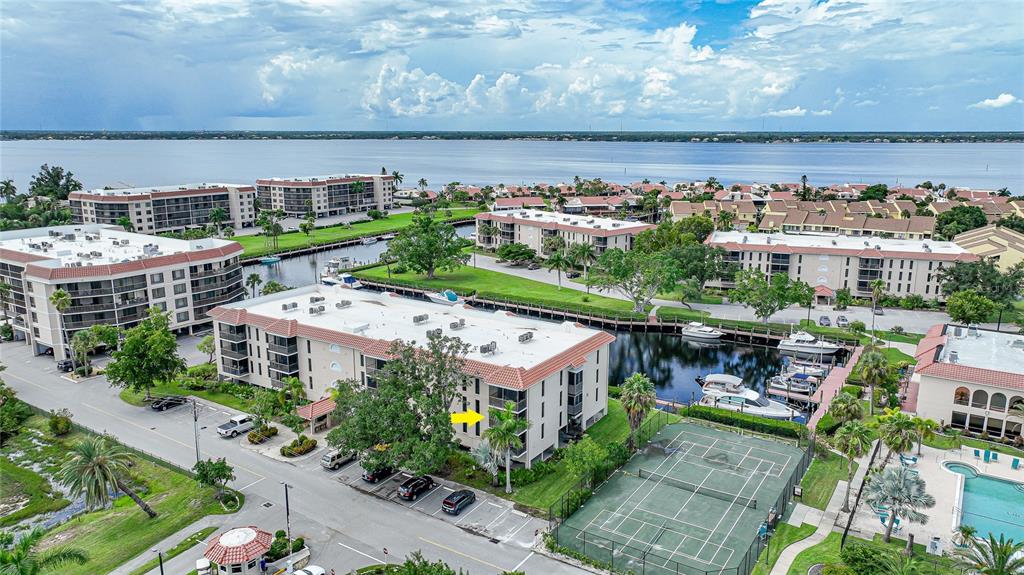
233,555
316,409
928,350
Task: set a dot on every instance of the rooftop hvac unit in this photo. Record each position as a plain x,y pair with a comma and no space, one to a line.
1017,344
489,348
878,246
458,324
616,224
69,237
316,299
343,304
957,332
313,310
954,357
833,242
124,242
285,307
525,337
418,319
96,254
434,333
768,240
114,242
597,226
744,239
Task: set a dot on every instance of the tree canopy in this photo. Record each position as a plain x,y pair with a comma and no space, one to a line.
969,307
637,275
516,253
427,245
54,182
148,354
763,296
958,220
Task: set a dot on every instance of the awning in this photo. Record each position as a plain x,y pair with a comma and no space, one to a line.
822,290
316,409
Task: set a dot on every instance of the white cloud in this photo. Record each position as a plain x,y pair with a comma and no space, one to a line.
821,113
657,83
866,103
795,111
1000,101
413,93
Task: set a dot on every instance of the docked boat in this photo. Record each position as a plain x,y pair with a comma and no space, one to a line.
446,297
792,384
343,280
805,343
808,368
728,392
368,241
697,330
387,237
270,260
335,265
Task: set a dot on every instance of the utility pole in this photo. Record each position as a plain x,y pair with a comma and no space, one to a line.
287,517
160,558
195,426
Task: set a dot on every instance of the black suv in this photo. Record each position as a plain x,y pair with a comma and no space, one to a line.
65,365
377,474
415,486
165,403
457,501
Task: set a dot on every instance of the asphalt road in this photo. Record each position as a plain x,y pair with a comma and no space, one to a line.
346,528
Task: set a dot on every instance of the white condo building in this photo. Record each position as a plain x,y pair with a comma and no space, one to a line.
326,195
532,227
555,373
113,277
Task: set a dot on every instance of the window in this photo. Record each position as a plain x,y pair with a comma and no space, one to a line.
477,409
542,388
156,278
979,399
542,431
998,402
181,302
159,293
179,289
335,366
335,348
178,274
182,316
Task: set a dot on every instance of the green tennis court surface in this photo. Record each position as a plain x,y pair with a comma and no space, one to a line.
690,502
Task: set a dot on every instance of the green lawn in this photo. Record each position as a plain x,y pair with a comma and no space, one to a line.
21,482
500,286
188,543
256,245
784,536
828,552
827,469
946,442
225,399
825,552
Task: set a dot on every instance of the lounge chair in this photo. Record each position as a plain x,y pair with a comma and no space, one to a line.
995,457
1015,464
988,456
908,461
977,454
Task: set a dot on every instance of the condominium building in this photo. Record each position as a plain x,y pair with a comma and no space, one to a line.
113,277
969,378
532,227
556,374
906,266
326,195
166,208
1004,246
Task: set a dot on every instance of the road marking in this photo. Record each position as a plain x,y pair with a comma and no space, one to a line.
370,557
500,515
475,507
460,553
520,564
494,505
251,484
513,534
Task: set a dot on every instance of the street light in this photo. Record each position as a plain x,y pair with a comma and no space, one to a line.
160,557
287,517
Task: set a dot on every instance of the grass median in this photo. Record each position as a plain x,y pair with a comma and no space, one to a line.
137,398
256,245
825,472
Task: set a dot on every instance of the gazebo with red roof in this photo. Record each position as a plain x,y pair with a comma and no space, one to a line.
317,413
241,547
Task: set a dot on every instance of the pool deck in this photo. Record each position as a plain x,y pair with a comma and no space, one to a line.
945,486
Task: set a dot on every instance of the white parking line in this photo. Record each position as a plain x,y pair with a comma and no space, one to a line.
467,515
494,504
251,484
513,534
520,564
500,515
370,557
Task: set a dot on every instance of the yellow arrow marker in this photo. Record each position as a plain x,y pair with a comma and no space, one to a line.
469,416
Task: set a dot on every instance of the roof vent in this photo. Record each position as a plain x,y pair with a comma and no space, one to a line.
954,357
1017,344
744,239
434,333
833,242
421,318
285,307
867,244
458,324
316,299
878,246
343,304
525,337
489,348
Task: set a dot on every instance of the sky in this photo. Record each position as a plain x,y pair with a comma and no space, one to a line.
801,65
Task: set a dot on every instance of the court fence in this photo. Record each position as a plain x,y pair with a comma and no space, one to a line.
593,549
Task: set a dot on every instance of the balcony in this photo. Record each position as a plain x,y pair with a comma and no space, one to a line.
520,406
120,288
291,349
90,292
215,272
576,410
220,298
109,306
240,370
232,337
286,368
233,354
575,388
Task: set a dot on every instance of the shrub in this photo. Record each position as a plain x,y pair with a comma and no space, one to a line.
854,390
399,269
837,569
298,544
299,446
618,454
262,434
898,330
83,371
539,470
614,391
746,421
6,332
60,422
202,371
861,558
827,425
280,534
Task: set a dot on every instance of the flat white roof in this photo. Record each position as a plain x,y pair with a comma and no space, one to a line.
319,178
153,189
984,349
389,317
97,244
838,242
576,220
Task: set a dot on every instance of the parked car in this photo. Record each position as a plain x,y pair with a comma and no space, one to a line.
533,266
65,365
457,501
165,403
841,321
572,275
878,311
310,570
335,459
236,425
415,486
376,475
824,321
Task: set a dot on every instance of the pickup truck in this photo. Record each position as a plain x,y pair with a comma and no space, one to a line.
236,425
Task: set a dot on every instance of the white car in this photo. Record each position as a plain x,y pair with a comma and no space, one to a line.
310,570
235,425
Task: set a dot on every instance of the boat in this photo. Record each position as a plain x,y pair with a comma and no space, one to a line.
368,241
343,280
728,392
697,330
807,367
792,384
387,237
446,297
270,260
805,343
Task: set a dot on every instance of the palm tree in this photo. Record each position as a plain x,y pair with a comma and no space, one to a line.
253,281
846,407
21,558
61,301
399,178
5,293
586,254
725,219
877,291
992,557
902,493
489,231
893,563
8,190
852,439
559,262
503,435
897,431
874,370
218,216
422,184
83,342
637,397
97,467
964,534
925,429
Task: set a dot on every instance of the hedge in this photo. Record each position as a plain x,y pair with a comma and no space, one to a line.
827,424
746,421
258,436
300,446
854,390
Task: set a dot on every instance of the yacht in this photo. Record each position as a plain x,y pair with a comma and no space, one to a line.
335,265
369,241
728,392
343,280
805,343
697,330
446,297
792,383
807,367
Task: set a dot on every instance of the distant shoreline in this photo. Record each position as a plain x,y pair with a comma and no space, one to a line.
723,137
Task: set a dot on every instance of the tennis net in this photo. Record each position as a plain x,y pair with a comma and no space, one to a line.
692,487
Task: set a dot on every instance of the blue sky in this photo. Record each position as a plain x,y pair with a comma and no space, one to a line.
513,64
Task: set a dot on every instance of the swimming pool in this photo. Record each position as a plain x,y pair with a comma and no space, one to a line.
991,505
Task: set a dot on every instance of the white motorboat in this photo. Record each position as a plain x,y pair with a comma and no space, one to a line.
343,280
725,393
697,330
807,367
446,297
368,241
805,343
335,265
793,384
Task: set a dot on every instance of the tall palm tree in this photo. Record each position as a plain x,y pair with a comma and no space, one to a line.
874,370
585,254
218,216
503,435
5,293
8,190
398,177
964,534
61,301
852,439
21,558
489,231
559,262
846,407
902,493
422,184
95,468
897,431
83,342
724,220
877,291
253,281
637,397
925,429
992,557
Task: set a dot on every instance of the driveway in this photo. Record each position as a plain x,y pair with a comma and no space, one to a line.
346,528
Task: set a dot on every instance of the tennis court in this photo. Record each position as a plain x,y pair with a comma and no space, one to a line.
691,501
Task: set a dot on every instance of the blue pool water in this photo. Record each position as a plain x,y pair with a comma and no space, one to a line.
991,505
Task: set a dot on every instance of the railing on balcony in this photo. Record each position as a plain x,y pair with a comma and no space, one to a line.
283,349
90,292
239,370
520,406
575,410
233,354
218,298
130,286
575,388
214,272
287,368
232,337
